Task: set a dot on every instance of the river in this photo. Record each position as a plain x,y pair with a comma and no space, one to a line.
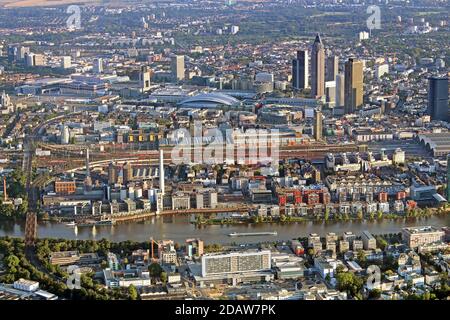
179,229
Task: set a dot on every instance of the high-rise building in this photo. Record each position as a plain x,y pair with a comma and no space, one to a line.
194,247
127,173
340,85
66,62
112,173
448,178
353,91
33,60
177,67
300,72
98,65
330,92
144,79
318,68
331,68
318,125
236,262
438,107
65,135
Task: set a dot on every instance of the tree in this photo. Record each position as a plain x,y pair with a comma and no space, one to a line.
339,269
133,293
375,294
163,277
361,257
327,214
349,282
359,215
155,270
380,214
12,262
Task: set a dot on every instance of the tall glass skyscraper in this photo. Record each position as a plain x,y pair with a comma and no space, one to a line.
353,91
438,108
448,178
300,71
318,68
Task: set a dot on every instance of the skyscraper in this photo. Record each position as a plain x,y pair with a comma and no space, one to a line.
318,125
353,91
127,173
448,178
340,90
331,68
317,68
66,62
300,70
98,66
112,173
177,67
144,79
438,107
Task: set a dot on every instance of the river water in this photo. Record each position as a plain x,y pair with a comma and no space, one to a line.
179,229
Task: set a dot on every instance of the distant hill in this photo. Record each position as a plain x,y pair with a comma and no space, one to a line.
34,3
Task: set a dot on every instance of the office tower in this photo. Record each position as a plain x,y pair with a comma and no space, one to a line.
12,53
318,125
5,100
300,71
330,92
65,135
438,107
177,67
194,247
66,62
353,91
235,262
17,53
161,171
448,178
331,68
98,66
127,173
144,79
34,60
30,59
112,173
318,68
340,85
22,53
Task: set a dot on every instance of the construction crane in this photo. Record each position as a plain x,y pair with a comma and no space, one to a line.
152,243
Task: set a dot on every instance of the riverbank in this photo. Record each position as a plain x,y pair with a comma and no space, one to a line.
255,220
180,228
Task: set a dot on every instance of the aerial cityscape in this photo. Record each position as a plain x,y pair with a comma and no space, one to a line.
224,150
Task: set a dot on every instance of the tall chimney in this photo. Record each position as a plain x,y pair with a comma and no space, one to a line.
88,173
161,171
